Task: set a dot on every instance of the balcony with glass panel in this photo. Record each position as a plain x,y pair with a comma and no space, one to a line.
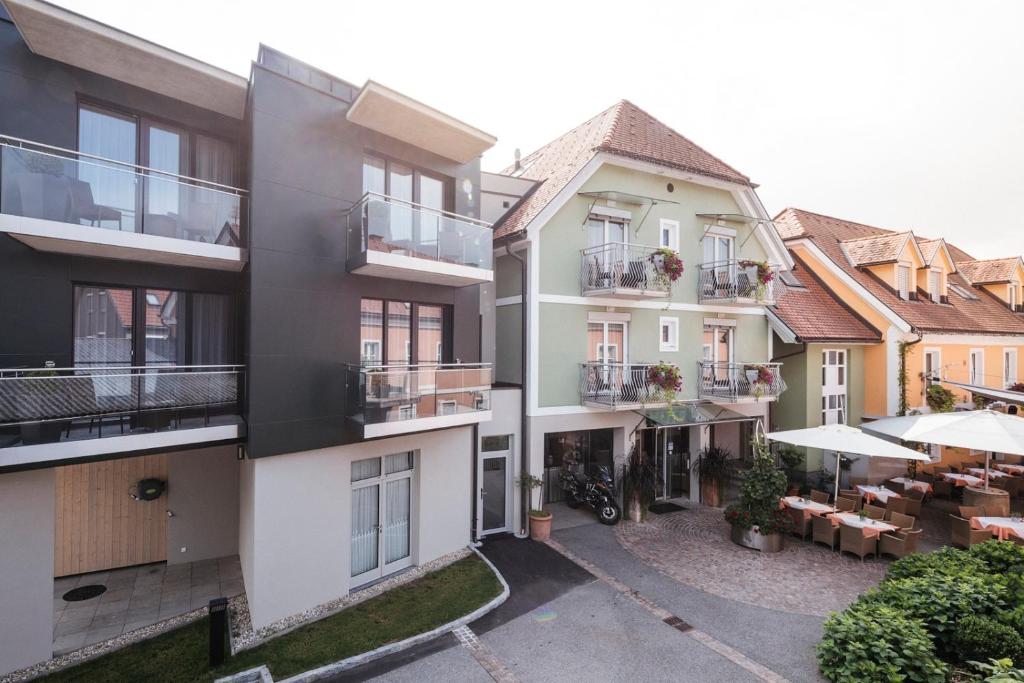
388,400
728,382
623,271
50,415
402,240
738,281
69,202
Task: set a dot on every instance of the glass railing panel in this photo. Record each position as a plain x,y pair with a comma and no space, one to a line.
397,393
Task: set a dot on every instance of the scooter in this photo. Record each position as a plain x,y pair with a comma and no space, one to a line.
597,492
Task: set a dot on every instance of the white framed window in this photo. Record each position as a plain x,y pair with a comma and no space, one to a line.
606,342
718,343
606,230
1012,295
935,285
976,367
833,386
382,515
447,407
932,366
903,280
1009,367
669,333
669,234
371,351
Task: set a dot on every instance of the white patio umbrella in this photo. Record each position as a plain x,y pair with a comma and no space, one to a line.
982,430
847,440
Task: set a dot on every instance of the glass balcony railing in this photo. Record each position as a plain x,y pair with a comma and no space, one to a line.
57,404
617,385
622,269
392,226
740,381
51,183
398,393
738,280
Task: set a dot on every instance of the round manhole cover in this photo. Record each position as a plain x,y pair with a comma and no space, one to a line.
84,593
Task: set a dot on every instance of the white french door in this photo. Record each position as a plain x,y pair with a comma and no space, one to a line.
494,472
833,386
382,504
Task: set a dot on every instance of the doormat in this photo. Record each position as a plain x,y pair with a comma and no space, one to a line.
84,593
665,508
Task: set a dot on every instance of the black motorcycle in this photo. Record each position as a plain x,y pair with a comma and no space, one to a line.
597,492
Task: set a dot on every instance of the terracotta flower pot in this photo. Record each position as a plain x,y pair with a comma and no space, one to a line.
711,494
540,526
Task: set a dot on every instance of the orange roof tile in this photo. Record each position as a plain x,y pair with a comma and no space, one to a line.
989,271
865,251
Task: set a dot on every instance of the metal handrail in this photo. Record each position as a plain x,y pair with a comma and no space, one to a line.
395,200
378,366
728,379
122,367
631,245
227,189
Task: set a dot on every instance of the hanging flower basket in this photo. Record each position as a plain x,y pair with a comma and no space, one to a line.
666,379
763,277
668,267
760,377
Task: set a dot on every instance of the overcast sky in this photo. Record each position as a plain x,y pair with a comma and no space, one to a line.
897,114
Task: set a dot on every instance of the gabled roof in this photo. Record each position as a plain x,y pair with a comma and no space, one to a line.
983,315
815,314
989,271
622,130
875,249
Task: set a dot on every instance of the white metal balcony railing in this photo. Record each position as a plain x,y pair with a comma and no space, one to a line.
52,183
48,401
380,223
379,394
614,385
739,381
621,268
738,280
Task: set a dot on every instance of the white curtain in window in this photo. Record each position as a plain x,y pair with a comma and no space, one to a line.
365,469
365,518
396,520
399,462
211,329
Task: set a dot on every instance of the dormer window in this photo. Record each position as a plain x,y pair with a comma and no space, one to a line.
1013,296
935,285
903,281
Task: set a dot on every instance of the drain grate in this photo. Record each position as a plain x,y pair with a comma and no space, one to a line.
677,623
84,593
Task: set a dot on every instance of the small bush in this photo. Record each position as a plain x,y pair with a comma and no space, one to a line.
981,639
877,643
939,601
1014,618
1001,557
946,560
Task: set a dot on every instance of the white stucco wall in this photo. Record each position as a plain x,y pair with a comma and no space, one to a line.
297,507
26,568
202,494
506,410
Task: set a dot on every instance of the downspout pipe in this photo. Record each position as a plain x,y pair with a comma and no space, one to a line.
524,440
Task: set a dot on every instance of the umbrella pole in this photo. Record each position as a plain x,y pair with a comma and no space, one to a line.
835,498
988,455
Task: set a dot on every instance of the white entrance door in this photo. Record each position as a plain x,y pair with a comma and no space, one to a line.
381,516
495,476
833,386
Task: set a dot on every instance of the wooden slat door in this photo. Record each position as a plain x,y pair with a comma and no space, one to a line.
99,525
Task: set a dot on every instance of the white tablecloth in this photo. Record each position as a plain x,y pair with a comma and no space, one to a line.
808,504
880,492
980,472
966,478
1016,525
1007,467
922,486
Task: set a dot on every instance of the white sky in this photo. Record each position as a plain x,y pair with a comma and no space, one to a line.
902,114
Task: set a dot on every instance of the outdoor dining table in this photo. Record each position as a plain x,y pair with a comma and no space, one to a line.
1007,467
870,493
869,527
809,507
962,479
980,472
908,483
1001,527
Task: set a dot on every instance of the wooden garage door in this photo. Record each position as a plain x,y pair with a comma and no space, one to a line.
99,525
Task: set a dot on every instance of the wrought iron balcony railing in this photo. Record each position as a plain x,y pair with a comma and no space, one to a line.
382,224
617,269
738,281
617,385
379,394
739,381
53,404
52,183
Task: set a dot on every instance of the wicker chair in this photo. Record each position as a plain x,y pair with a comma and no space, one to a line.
858,480
899,543
897,486
1017,539
992,511
963,536
874,511
897,505
855,498
942,489
823,531
905,522
853,540
801,525
1014,486
968,511
849,492
913,508
844,504
819,497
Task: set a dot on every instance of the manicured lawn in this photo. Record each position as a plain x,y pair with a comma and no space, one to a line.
422,605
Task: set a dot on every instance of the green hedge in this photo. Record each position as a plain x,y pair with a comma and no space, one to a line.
981,639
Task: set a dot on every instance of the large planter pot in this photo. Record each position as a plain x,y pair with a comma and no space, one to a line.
540,526
711,494
993,497
636,509
752,538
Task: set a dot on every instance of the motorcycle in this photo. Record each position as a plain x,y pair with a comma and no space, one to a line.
597,492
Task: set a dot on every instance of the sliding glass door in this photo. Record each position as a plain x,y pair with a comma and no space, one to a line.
381,519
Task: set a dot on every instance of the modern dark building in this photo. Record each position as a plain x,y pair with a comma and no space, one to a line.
242,332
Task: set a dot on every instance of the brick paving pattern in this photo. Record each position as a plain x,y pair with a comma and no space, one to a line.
693,548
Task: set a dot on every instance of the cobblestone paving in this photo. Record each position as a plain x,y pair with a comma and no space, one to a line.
693,547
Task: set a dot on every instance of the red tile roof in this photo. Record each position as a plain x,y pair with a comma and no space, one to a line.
984,315
864,251
623,130
815,314
989,271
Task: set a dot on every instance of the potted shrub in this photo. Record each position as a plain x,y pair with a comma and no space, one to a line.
712,466
540,521
668,267
757,521
640,481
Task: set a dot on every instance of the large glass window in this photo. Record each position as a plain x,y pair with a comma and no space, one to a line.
103,326
583,452
105,194
410,333
430,334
